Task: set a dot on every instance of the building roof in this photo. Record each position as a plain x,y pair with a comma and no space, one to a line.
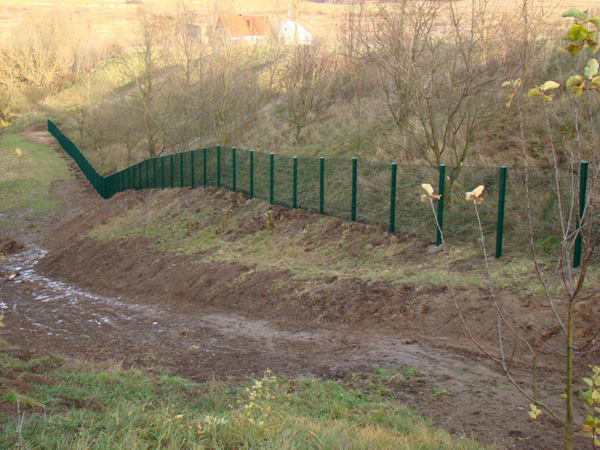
292,32
246,26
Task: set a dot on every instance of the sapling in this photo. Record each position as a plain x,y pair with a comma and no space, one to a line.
571,218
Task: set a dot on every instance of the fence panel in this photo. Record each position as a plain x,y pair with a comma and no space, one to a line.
338,188
308,183
460,218
362,190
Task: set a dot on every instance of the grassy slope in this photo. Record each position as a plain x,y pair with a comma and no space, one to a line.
308,245
25,184
76,404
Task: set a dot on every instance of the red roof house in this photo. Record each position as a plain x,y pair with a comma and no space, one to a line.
247,28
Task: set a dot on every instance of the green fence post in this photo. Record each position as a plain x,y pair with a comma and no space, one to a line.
172,167
154,173
322,185
583,175
233,180
271,178
181,170
204,167
295,184
218,166
354,188
251,174
192,169
140,174
440,212
501,203
146,163
392,228
162,172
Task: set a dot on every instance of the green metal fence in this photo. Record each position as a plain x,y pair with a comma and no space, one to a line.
376,192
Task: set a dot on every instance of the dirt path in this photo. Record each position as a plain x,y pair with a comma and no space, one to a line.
461,393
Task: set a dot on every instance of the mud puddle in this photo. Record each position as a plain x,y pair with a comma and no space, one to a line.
37,305
199,343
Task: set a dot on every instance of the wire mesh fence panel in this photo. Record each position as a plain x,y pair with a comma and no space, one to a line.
309,182
338,188
362,191
261,176
226,166
211,166
153,173
460,218
187,168
413,217
373,192
543,208
195,161
242,171
283,182
176,170
591,225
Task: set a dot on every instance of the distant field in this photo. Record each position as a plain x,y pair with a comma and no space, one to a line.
114,17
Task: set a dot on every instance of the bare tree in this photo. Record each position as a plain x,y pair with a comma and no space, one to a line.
239,83
146,70
306,78
433,76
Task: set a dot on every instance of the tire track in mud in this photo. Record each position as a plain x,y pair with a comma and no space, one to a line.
199,343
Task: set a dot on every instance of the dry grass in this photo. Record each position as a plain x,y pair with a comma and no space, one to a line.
115,17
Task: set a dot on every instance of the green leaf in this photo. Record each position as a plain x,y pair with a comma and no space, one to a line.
583,34
549,85
507,84
533,92
591,70
573,12
588,381
595,21
574,32
573,49
575,79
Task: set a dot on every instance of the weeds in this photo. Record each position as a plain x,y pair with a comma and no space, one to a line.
132,409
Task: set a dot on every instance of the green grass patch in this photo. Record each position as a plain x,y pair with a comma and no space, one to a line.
310,247
25,184
91,405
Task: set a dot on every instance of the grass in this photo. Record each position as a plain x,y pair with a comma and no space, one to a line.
309,246
79,404
25,185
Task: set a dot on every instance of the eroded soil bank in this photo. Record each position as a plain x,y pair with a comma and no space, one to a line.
208,317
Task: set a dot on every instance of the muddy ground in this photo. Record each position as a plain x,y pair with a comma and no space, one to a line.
124,300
